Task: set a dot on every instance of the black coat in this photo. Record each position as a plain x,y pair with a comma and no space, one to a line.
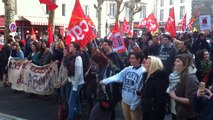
204,107
154,95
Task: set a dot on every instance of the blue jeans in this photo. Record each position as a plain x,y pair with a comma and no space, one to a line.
65,92
74,103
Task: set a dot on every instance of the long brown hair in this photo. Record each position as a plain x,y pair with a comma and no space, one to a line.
100,59
187,62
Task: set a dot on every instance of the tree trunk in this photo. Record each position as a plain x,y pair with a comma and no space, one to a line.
9,7
131,19
52,18
99,10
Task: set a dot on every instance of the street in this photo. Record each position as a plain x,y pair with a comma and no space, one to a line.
18,106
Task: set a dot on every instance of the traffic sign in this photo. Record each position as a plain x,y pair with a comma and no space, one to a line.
13,27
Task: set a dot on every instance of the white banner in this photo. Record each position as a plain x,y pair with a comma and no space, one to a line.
205,22
28,77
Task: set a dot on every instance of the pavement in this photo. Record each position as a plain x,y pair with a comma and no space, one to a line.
18,106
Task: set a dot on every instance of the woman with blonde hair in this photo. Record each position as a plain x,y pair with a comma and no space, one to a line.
155,82
16,53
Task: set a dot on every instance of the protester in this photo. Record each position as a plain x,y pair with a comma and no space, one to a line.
203,65
200,44
76,79
65,87
155,82
107,98
167,53
186,88
202,104
34,56
58,52
16,53
46,54
6,50
184,47
131,77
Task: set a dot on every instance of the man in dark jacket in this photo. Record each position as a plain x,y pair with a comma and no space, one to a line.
167,53
200,44
113,56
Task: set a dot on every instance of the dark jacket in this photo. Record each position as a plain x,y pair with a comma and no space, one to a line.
113,56
154,95
204,107
186,90
112,90
167,56
46,57
200,45
6,50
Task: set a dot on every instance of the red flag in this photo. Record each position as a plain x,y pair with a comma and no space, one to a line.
191,22
33,36
92,26
142,23
183,23
79,30
170,24
125,26
115,28
50,33
50,5
117,39
151,23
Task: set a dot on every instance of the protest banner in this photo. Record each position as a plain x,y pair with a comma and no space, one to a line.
31,78
16,72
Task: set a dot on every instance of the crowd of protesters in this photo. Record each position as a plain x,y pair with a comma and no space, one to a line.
156,75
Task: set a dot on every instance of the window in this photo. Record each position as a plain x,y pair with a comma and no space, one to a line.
182,11
47,11
86,10
161,15
161,3
63,9
171,2
143,12
182,1
112,8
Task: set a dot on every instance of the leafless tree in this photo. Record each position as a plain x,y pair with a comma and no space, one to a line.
9,7
134,6
99,10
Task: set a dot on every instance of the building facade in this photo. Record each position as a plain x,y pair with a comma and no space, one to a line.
33,14
206,8
181,8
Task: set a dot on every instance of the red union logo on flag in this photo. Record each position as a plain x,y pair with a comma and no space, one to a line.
78,31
